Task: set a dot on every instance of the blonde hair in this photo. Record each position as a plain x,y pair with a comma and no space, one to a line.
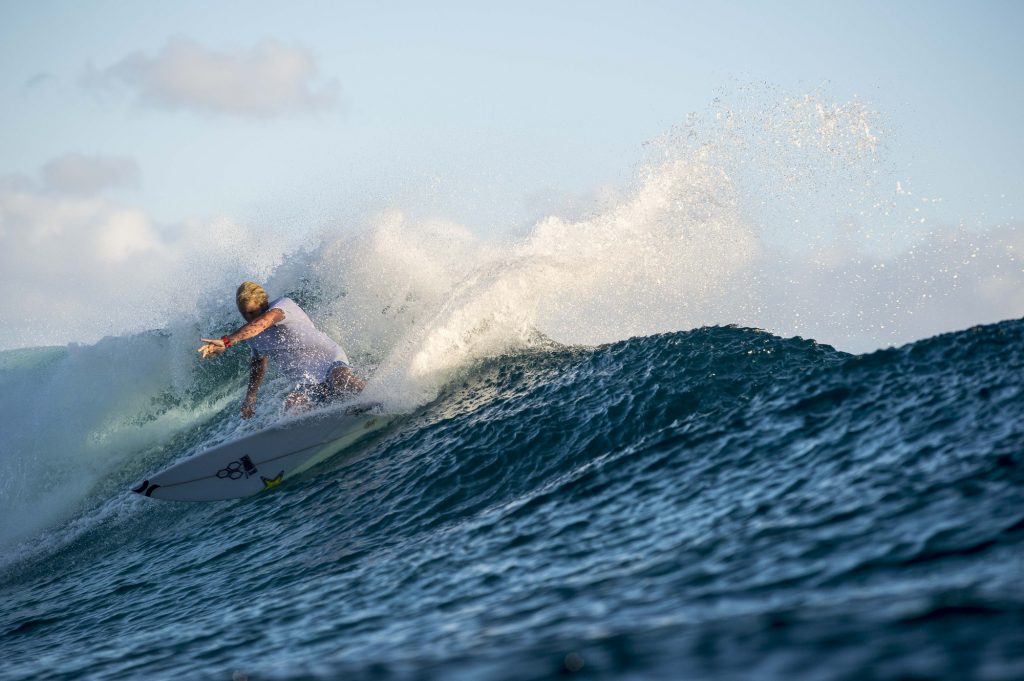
250,292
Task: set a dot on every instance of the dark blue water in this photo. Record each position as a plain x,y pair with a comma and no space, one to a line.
713,504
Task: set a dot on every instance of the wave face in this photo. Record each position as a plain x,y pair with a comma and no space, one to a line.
717,503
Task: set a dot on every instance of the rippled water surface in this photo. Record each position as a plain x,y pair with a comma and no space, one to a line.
719,503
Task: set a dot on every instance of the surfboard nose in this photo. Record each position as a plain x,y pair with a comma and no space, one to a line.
145,488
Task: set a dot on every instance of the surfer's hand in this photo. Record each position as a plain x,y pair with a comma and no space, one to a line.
248,409
211,348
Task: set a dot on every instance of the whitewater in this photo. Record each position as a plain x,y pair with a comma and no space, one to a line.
756,413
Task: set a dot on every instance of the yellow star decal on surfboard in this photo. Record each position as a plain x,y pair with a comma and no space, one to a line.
272,482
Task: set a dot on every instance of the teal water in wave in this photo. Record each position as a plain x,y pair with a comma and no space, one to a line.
720,503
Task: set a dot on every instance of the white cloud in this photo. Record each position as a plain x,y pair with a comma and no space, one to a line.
950,279
37,81
76,267
267,79
83,174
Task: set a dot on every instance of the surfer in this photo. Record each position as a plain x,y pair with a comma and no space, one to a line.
281,331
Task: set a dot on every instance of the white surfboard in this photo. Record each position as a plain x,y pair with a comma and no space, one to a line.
260,461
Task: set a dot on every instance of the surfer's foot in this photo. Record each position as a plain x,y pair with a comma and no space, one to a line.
296,403
365,408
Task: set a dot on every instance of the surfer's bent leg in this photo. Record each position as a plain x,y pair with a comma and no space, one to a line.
343,381
340,380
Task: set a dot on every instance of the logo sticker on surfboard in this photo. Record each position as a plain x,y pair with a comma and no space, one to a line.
272,482
236,469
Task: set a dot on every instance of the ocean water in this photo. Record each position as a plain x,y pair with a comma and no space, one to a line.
626,445
716,503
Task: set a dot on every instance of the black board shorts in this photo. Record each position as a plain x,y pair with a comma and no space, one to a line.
325,391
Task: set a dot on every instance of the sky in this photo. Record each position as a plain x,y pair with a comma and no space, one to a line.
165,133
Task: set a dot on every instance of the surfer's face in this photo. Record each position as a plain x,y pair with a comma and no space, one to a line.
251,311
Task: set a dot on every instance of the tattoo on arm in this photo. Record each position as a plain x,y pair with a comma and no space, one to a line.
258,325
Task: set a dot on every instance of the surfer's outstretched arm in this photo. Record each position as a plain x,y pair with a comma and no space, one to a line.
257,370
214,346
257,326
